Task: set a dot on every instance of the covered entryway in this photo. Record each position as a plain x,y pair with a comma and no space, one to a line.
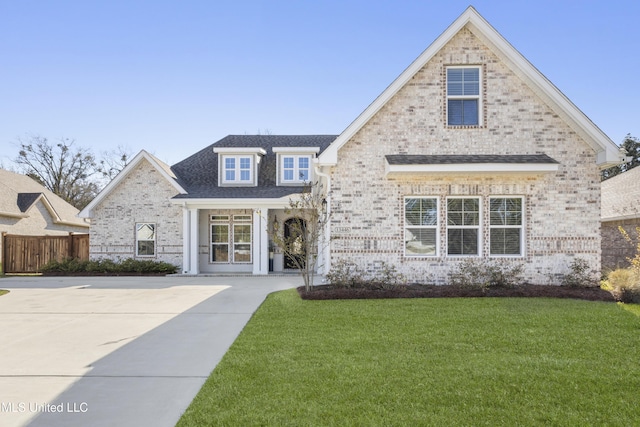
294,231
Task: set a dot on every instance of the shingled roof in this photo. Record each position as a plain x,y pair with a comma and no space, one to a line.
198,174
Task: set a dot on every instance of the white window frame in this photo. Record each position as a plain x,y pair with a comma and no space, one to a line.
223,223
237,169
521,227
477,227
435,227
296,168
138,226
477,97
237,244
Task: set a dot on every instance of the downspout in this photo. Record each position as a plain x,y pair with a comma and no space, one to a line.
326,255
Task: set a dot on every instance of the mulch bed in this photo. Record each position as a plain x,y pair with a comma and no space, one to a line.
326,292
98,274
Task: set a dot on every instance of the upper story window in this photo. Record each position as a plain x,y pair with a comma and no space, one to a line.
295,164
238,166
295,169
463,96
238,169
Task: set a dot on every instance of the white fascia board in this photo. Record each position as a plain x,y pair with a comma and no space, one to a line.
240,150
14,215
278,203
295,149
87,212
472,168
621,217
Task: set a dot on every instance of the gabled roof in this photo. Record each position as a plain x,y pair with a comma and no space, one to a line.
620,196
199,172
19,193
164,170
607,151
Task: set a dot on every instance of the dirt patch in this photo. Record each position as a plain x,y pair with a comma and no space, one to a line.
326,292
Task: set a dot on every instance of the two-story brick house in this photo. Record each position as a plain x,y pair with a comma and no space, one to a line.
470,152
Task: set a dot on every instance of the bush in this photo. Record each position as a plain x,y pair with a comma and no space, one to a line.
485,274
108,266
347,275
624,285
581,275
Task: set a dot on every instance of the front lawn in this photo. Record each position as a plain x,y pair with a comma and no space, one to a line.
462,361
3,291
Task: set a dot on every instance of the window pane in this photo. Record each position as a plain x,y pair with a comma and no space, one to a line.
220,253
288,175
303,162
245,163
454,218
454,112
505,241
242,253
219,233
304,174
421,211
230,163
420,241
146,231
242,233
245,175
288,162
506,211
462,242
146,247
470,111
230,175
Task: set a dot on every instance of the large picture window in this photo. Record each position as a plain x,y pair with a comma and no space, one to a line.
421,226
463,96
505,223
463,226
145,239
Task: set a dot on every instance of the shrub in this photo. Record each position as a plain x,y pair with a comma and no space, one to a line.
581,275
485,274
624,285
345,274
108,266
386,276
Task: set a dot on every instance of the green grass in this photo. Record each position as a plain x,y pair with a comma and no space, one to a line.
2,292
440,362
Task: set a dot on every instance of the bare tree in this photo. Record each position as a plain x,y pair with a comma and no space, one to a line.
304,239
66,170
112,162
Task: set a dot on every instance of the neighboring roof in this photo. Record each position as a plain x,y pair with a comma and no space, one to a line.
608,154
18,193
620,196
164,170
404,159
198,174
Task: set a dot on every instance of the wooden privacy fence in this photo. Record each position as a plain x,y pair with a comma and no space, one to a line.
27,254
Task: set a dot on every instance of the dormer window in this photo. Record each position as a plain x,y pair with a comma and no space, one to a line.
237,170
238,166
295,164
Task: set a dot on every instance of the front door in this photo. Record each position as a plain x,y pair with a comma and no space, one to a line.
295,257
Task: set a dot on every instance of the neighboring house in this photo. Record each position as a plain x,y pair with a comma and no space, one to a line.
620,208
27,208
471,153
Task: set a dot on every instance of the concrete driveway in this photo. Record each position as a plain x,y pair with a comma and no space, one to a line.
117,351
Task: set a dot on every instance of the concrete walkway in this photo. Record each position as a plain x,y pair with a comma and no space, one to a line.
117,351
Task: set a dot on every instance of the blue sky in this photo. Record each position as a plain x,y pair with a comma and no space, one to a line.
172,77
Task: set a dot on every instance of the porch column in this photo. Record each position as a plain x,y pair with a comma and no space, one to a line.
190,241
260,242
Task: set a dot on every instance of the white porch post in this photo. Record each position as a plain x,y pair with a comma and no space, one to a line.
186,238
260,242
194,257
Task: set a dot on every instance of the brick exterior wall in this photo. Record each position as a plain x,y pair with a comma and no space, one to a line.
615,248
562,209
143,196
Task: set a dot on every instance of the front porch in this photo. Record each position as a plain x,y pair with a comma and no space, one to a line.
234,241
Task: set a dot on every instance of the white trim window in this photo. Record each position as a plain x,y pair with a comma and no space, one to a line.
220,242
420,226
237,169
463,226
295,169
231,239
145,239
463,96
505,226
